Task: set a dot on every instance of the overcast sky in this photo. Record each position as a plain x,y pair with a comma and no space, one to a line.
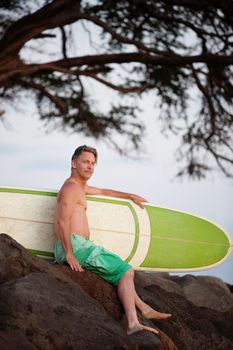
30,157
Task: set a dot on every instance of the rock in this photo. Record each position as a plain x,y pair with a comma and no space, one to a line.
47,309
191,327
206,291
160,279
55,314
106,295
14,341
98,289
16,261
45,306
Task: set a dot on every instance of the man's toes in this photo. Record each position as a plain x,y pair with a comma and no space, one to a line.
139,328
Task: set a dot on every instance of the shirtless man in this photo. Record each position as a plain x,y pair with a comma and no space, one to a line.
74,247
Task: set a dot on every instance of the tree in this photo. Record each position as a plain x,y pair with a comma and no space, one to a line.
177,49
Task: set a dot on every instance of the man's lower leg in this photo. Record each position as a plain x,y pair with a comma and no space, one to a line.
127,293
147,311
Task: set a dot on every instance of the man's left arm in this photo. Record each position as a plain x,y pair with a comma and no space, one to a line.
118,194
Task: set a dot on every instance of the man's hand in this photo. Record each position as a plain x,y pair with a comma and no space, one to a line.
138,200
73,262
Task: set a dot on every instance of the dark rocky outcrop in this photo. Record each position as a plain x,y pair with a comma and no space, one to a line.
204,291
46,306
191,327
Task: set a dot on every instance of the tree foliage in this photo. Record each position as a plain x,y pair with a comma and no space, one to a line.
176,49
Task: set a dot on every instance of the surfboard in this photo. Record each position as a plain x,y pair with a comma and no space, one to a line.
153,238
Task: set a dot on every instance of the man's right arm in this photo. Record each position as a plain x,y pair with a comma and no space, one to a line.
66,204
113,193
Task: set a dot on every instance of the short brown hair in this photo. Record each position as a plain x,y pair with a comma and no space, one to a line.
84,148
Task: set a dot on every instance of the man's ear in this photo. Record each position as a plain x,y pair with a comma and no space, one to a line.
73,164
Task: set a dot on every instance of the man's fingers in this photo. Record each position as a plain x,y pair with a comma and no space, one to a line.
74,265
77,268
139,204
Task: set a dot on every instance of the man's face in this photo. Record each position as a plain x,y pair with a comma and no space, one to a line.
84,165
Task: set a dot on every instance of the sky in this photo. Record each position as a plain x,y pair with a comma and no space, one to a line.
34,156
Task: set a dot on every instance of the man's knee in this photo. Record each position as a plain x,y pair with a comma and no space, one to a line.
130,273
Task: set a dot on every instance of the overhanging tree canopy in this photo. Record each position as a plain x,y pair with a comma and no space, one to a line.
174,48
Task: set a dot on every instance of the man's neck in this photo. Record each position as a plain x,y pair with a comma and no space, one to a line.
78,180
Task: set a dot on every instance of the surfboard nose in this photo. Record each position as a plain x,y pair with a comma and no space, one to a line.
184,242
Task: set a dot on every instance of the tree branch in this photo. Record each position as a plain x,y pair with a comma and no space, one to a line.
53,98
55,14
218,158
119,37
64,41
92,60
161,59
122,89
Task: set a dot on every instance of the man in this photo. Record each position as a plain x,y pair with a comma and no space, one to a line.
74,247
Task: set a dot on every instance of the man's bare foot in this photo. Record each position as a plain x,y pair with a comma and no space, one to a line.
139,327
150,313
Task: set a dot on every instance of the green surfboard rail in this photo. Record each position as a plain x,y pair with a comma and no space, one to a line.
29,191
180,240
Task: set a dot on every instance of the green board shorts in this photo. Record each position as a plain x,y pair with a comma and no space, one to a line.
94,258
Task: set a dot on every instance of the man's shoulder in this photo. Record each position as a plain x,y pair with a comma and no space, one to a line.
70,187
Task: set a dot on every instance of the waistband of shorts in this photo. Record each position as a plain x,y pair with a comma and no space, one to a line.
76,235
80,236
